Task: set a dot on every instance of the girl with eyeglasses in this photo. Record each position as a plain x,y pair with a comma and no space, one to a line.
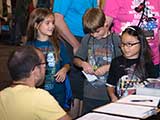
143,13
133,67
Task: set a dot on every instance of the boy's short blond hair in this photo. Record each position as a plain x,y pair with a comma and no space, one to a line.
93,19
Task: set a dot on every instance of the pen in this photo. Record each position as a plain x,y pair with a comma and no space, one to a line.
146,100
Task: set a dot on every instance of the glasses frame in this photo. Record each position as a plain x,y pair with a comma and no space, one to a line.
38,64
128,44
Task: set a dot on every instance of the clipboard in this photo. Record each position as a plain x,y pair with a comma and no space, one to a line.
142,100
127,110
100,116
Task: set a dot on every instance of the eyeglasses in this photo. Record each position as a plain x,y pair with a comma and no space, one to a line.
38,64
128,44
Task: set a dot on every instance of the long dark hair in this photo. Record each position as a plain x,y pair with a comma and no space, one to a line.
144,53
37,16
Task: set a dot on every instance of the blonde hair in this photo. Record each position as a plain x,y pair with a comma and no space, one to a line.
93,19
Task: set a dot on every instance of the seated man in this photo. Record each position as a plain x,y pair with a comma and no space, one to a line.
22,100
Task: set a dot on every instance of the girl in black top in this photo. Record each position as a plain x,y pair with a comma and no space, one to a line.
133,67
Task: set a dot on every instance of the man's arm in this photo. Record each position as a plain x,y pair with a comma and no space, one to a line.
109,21
65,32
34,3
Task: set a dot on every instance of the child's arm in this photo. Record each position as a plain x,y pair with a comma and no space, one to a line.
87,68
111,92
61,74
102,70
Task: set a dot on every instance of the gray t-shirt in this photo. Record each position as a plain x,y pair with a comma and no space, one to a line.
98,53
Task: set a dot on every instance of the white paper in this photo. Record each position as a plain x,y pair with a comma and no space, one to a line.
153,79
151,88
90,77
127,110
128,99
100,116
148,91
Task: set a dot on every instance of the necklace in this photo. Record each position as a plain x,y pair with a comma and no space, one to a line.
100,52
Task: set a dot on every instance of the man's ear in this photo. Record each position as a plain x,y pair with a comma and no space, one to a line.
33,72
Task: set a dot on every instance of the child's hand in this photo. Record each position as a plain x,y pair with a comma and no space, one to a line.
102,70
114,98
60,75
87,68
